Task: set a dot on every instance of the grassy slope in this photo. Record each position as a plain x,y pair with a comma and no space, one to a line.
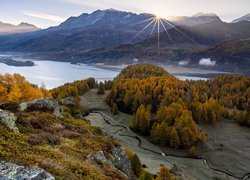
59,145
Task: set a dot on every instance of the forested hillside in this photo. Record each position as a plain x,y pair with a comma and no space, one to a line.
167,109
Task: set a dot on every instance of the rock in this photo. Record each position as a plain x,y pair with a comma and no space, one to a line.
44,104
8,119
121,160
99,156
118,160
69,101
10,171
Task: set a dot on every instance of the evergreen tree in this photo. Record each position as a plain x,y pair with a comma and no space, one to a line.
146,176
174,138
136,165
101,88
164,174
114,109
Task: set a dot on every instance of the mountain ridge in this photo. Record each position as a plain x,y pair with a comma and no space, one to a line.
6,28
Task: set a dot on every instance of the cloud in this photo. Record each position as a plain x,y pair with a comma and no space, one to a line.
207,62
183,63
44,16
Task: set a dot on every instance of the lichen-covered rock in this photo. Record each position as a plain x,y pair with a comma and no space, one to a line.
99,156
8,119
9,171
68,101
44,104
121,160
118,160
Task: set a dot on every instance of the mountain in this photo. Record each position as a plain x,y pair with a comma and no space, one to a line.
231,56
6,28
184,40
100,29
243,18
198,18
107,28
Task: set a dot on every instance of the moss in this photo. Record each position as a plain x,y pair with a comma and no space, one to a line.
59,145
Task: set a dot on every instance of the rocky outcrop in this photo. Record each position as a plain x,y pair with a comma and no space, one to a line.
44,104
8,119
117,160
121,160
14,171
68,101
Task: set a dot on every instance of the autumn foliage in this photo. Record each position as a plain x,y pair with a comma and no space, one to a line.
74,89
167,109
15,88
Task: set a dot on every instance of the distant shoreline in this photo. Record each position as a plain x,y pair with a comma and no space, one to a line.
10,62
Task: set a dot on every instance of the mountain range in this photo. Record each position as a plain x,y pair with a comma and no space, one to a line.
6,28
112,36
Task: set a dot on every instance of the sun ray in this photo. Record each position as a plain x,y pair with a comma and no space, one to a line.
144,28
158,24
166,30
178,30
153,28
140,22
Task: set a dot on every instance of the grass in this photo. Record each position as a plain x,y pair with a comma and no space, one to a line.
59,145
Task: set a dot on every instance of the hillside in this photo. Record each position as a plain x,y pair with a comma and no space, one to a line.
231,56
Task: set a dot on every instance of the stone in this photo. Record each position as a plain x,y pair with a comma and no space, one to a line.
68,101
10,171
44,104
118,160
121,160
8,119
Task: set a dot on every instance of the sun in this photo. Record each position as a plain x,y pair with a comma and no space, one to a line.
158,17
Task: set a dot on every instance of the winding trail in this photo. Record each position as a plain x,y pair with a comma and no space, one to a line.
151,155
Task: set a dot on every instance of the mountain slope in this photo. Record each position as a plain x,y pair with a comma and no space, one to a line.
231,56
184,40
108,28
100,29
6,28
243,18
198,18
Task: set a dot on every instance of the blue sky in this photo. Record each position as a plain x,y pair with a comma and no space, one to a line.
45,13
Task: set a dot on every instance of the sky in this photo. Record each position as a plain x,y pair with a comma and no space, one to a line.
46,13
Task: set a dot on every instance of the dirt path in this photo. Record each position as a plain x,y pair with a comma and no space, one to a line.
152,156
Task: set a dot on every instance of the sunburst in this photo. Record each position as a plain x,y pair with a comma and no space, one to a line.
160,24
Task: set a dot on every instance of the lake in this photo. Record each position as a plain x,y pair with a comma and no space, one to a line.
54,74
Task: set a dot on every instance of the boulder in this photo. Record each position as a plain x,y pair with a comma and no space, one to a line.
44,104
14,171
68,101
117,160
121,160
8,119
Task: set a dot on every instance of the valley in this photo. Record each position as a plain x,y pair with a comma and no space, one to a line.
216,163
124,90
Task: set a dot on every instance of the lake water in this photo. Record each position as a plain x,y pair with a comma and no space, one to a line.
54,74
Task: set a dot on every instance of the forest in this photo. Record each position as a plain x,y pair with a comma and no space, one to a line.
15,88
167,110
